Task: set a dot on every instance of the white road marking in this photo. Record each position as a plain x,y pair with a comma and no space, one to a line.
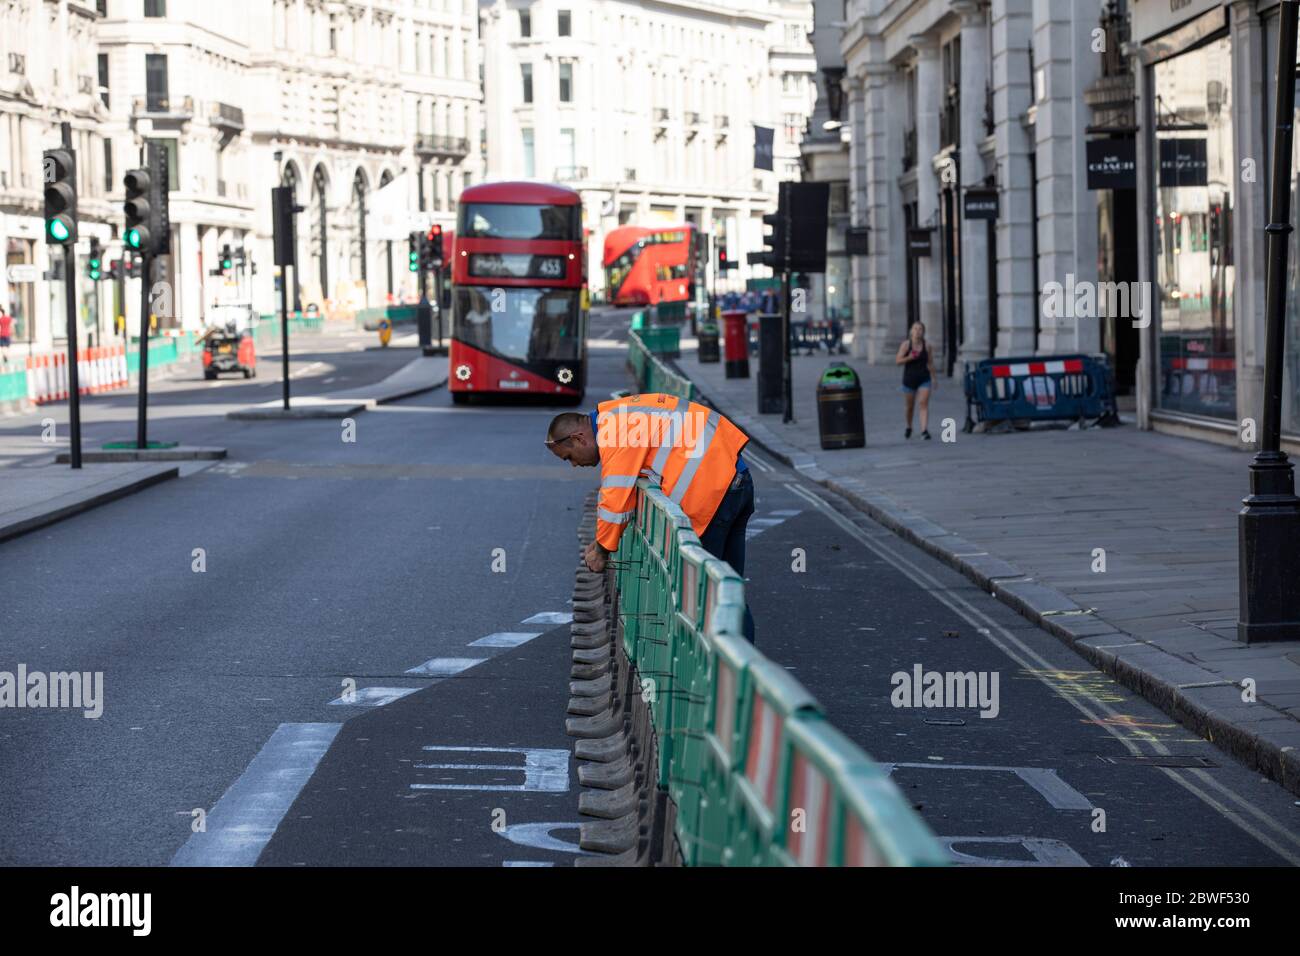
1044,852
445,666
247,815
550,617
545,771
526,863
504,639
538,836
1050,787
757,526
1036,664
374,696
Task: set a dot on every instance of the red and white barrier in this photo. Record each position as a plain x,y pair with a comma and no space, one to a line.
810,792
764,757
99,369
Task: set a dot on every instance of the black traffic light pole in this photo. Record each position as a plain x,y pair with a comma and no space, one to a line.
285,243
70,294
1269,524
142,391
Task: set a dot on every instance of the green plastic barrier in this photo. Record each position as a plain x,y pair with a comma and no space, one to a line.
651,374
13,382
756,774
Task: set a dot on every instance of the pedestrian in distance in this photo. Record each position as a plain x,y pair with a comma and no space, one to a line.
918,377
690,451
6,333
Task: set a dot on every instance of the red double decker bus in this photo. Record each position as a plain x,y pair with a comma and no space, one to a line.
519,293
647,265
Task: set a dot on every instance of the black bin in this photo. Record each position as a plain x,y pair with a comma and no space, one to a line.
708,349
839,408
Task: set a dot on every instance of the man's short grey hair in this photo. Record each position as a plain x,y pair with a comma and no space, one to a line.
565,424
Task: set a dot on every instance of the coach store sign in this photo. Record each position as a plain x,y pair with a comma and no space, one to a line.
1112,163
1151,18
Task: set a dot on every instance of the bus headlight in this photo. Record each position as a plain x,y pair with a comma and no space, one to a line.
565,375
463,372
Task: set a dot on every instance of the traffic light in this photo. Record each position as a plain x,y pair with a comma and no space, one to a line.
227,259
115,270
724,261
138,185
433,247
95,263
60,173
416,241
131,264
773,256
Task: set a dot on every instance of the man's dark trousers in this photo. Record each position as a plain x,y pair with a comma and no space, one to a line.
725,536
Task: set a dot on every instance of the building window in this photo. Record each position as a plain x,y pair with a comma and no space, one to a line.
530,158
566,82
103,78
564,26
525,24
155,8
155,82
108,165
793,128
526,69
1192,235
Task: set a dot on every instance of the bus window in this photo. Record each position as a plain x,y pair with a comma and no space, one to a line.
520,221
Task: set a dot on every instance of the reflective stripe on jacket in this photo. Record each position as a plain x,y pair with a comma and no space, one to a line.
688,448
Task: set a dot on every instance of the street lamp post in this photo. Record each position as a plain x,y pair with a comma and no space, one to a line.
1268,527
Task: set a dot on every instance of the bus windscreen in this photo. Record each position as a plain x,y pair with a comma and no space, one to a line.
527,325
521,221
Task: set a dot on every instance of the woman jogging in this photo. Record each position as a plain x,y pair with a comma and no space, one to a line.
918,376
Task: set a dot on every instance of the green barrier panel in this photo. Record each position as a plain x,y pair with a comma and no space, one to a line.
651,374
852,813
773,698
743,749
162,351
671,311
13,383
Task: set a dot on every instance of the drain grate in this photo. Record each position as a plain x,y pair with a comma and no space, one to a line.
1169,760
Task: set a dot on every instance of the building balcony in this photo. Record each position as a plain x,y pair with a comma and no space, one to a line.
160,106
434,144
227,117
569,174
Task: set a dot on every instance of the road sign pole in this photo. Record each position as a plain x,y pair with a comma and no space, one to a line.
284,329
142,391
70,295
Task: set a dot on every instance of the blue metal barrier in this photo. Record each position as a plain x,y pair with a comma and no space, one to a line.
1053,388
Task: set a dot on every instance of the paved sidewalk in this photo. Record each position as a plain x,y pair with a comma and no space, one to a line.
420,375
36,494
1021,513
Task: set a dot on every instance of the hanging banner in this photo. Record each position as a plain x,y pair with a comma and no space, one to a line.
763,147
1112,163
1183,162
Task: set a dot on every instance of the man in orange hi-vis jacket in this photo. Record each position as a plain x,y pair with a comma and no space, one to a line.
690,450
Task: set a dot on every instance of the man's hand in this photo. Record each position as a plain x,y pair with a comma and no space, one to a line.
596,557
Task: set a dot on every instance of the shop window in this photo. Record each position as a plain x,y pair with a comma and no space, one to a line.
1194,174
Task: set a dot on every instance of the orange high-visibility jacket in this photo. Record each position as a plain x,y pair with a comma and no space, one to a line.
688,448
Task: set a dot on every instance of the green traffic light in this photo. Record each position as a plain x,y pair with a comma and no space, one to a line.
133,238
59,230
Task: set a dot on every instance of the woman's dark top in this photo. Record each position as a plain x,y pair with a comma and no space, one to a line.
916,371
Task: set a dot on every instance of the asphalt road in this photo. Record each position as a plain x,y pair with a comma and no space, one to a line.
331,567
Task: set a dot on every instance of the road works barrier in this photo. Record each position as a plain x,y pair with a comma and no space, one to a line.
652,375
42,377
701,750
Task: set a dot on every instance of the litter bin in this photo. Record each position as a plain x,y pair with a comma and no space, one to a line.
839,408
708,350
736,344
